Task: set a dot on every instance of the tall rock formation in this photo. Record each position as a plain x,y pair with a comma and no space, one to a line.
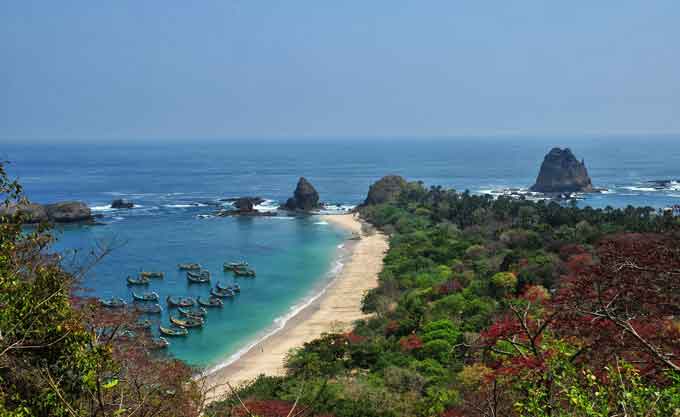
561,172
385,189
305,197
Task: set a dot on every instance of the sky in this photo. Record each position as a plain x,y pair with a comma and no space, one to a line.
165,69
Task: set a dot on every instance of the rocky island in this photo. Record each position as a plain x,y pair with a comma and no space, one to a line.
119,203
62,212
305,198
561,172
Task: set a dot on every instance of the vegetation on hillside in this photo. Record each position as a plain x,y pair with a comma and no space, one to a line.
498,307
61,355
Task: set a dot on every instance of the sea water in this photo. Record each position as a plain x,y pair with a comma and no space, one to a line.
177,188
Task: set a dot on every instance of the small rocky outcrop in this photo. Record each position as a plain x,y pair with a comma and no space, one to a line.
561,172
122,204
245,206
68,212
386,189
305,197
63,212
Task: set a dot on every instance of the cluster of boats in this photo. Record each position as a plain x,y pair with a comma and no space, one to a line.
192,311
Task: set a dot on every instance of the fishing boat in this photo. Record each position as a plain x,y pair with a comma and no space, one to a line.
189,267
198,278
142,324
147,296
180,301
160,343
187,321
201,312
234,287
221,293
232,266
244,272
210,302
149,274
173,331
138,281
149,309
113,302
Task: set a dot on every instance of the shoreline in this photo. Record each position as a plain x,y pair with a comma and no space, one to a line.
334,308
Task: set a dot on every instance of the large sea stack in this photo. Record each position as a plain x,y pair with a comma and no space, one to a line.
385,189
305,197
561,172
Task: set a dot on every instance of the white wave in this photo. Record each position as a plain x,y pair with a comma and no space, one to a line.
321,223
102,208
267,206
340,246
643,189
178,205
205,216
280,322
118,218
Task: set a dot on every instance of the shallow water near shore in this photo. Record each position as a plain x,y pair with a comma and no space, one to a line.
177,187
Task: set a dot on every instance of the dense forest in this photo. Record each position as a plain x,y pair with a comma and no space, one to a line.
486,307
498,307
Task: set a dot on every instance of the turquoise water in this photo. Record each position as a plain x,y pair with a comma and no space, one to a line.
292,256
177,186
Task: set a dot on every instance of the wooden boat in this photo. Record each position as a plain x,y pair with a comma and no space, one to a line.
187,321
201,312
221,293
232,266
149,309
173,331
180,301
142,324
198,278
210,302
148,274
147,296
113,302
160,343
189,267
234,287
243,272
138,281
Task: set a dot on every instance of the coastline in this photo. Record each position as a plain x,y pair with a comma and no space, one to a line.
335,308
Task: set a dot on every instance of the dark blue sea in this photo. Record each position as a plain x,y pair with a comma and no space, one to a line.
176,187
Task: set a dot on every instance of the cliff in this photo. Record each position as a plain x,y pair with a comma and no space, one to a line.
385,189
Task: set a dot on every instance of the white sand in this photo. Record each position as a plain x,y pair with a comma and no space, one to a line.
335,310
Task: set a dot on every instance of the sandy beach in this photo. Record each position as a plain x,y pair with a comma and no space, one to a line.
335,310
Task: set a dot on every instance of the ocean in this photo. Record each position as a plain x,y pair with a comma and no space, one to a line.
177,187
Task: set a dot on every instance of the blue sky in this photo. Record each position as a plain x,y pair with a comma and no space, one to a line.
236,69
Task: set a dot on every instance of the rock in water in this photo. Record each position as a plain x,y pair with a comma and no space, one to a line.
68,212
561,172
122,204
244,204
305,197
385,189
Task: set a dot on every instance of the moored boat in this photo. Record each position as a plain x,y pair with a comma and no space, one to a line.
210,302
201,312
173,331
187,321
244,272
221,293
189,267
149,309
233,287
180,301
198,278
160,343
150,274
138,281
147,296
113,302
